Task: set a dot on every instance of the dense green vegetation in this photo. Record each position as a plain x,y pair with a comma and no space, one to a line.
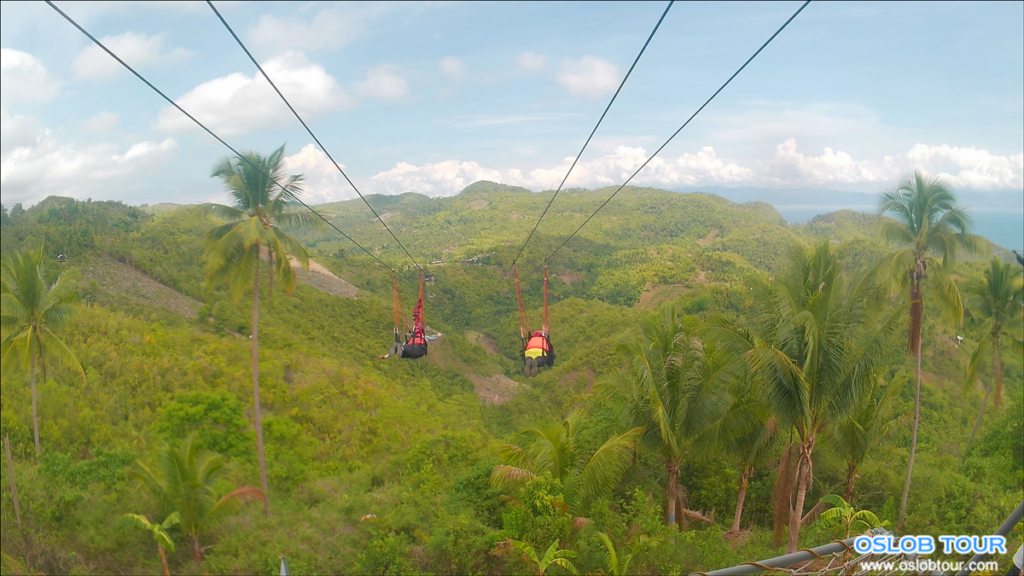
455,463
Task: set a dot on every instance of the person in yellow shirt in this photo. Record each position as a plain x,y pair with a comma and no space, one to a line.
539,352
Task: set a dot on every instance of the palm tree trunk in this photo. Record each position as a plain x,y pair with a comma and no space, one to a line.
803,482
744,480
913,436
673,490
270,293
163,560
256,387
851,477
984,403
782,492
997,367
14,485
35,414
197,551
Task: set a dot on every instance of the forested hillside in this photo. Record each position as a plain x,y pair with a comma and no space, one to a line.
456,463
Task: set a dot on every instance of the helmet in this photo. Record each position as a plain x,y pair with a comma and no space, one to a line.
538,333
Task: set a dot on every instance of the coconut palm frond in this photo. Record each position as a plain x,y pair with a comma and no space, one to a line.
605,468
504,475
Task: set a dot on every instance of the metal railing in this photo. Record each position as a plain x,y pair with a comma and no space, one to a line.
800,562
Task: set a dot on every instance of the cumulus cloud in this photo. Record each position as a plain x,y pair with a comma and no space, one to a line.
322,182
969,167
450,177
18,131
590,77
138,50
531,62
330,29
436,179
453,68
35,164
24,78
383,82
103,122
237,103
961,167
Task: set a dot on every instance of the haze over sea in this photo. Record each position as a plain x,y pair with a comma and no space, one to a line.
998,216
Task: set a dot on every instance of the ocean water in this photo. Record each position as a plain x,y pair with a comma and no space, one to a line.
1003,227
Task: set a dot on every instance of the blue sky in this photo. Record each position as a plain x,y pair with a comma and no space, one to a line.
430,97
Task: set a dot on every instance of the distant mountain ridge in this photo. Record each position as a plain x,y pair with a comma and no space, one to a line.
1002,199
997,215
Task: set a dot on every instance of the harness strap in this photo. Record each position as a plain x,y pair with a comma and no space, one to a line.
417,313
523,326
394,285
545,327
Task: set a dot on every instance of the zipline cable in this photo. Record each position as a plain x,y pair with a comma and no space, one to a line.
311,134
211,133
592,132
674,134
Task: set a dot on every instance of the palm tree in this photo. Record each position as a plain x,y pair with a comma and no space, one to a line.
195,485
841,512
553,557
848,516
234,250
929,231
554,449
812,345
31,309
676,388
749,432
619,565
999,302
159,532
869,425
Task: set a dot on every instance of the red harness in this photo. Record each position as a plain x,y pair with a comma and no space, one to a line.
524,325
418,327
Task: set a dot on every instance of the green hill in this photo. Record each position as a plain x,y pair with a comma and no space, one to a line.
384,467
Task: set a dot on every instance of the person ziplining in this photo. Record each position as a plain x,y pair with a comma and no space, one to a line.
415,344
537,348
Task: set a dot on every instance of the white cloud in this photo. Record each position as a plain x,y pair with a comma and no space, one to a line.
138,50
531,62
24,78
35,164
453,68
590,77
613,169
330,29
440,179
103,122
322,182
970,167
959,167
383,82
18,131
237,103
